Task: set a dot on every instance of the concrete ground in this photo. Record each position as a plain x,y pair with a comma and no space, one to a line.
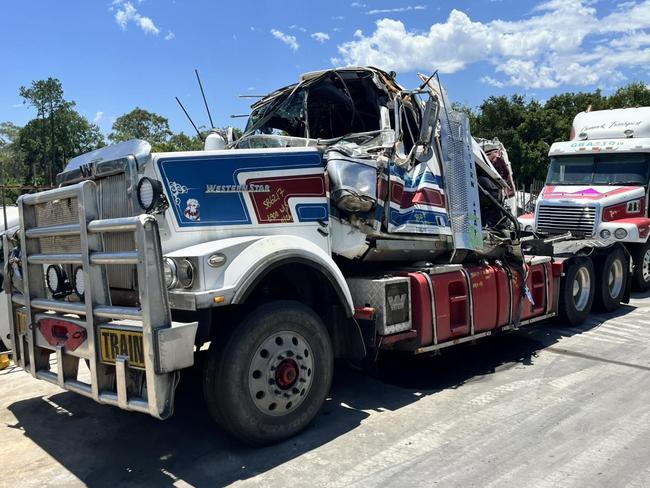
552,406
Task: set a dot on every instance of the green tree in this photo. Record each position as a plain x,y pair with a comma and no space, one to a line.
46,96
11,167
142,124
635,94
73,135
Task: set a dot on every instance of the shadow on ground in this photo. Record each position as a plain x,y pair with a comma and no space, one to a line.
104,446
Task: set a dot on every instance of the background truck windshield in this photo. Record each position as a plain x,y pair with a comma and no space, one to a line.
599,169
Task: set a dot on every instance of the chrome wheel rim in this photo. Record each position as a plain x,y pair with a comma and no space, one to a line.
615,278
646,266
581,288
281,373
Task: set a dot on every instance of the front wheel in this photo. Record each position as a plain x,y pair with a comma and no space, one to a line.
641,259
577,291
612,277
270,378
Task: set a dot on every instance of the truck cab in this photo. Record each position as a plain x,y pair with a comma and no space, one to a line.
353,216
597,184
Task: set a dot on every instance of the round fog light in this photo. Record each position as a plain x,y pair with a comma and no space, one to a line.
55,279
528,228
149,193
170,272
79,282
620,233
605,234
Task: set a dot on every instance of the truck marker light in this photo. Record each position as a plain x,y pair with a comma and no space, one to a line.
218,299
216,260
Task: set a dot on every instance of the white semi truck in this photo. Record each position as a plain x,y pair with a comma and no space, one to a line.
352,217
597,184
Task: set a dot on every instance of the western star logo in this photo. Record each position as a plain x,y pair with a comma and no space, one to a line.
397,302
252,188
87,170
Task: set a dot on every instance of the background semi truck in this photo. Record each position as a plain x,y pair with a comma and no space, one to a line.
351,218
597,184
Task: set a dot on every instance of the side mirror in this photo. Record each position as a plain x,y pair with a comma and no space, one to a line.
387,133
429,120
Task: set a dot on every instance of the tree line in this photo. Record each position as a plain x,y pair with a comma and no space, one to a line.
35,153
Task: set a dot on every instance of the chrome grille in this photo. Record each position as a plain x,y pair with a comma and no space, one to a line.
64,211
114,203
559,219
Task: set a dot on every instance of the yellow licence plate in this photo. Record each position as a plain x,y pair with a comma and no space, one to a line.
116,342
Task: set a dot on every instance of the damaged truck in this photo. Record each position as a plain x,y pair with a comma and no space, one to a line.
353,216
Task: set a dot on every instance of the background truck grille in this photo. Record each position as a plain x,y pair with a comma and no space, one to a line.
113,203
574,219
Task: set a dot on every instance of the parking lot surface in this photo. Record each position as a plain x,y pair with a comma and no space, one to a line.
549,406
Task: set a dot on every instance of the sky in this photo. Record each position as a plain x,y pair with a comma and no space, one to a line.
114,55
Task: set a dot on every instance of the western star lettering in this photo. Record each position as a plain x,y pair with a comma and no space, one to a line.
209,188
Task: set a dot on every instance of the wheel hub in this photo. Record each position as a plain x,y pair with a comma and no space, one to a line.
281,373
581,288
286,374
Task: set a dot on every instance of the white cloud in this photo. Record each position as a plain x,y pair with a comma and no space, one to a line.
320,37
408,8
98,117
561,42
297,27
357,5
126,13
170,35
290,41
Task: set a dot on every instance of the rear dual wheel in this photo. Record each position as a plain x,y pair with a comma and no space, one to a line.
269,379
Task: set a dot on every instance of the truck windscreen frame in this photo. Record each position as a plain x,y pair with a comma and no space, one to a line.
599,169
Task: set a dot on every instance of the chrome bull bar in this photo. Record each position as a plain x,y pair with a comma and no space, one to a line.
167,346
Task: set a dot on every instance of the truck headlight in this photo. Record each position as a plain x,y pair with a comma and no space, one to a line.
150,194
179,273
605,234
620,233
528,228
170,272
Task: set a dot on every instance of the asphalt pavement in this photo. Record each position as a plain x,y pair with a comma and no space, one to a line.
542,407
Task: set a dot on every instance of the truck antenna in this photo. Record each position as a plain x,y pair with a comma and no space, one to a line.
198,78
190,119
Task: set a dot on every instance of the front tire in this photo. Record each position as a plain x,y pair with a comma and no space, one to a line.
577,291
641,259
611,281
269,379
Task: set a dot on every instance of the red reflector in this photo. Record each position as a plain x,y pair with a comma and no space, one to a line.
364,313
59,332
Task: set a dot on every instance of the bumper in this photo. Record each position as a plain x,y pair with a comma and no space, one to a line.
166,346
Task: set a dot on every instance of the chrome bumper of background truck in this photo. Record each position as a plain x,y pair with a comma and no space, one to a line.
167,346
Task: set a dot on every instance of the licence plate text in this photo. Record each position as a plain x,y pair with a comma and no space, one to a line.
116,342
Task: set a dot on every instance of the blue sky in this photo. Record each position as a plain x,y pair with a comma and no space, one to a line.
114,55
